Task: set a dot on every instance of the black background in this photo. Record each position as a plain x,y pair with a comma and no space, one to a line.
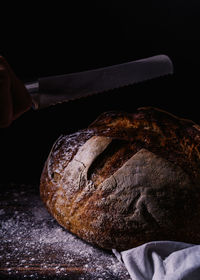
40,40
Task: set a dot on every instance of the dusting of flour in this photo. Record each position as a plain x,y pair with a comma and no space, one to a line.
34,246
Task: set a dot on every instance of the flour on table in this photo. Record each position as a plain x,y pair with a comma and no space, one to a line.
33,245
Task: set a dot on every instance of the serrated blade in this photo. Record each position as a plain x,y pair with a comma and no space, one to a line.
57,89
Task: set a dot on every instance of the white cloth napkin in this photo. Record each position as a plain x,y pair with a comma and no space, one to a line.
162,260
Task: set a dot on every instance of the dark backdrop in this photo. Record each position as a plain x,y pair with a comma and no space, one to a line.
40,40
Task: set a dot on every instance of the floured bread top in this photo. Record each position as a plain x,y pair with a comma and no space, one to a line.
125,179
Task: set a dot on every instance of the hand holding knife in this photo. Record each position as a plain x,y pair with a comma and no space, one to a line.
51,90
14,98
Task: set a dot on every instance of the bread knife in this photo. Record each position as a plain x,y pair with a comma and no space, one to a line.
51,90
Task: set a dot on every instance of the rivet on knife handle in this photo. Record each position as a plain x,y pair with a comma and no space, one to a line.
57,89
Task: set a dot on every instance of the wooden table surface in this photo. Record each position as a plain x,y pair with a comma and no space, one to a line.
34,246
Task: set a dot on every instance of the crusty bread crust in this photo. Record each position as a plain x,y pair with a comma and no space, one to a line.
127,179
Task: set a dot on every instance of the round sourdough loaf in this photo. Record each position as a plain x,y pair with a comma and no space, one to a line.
127,179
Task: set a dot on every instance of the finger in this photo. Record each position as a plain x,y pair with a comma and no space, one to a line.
6,105
20,96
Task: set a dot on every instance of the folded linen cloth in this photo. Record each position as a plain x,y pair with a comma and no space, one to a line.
162,260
